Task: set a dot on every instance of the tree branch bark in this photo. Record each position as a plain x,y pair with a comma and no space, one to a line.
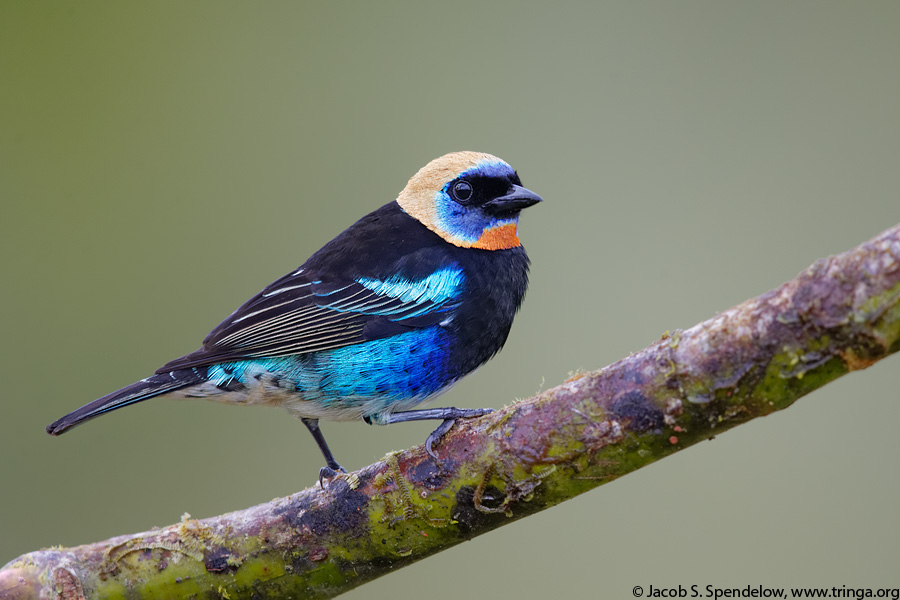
839,315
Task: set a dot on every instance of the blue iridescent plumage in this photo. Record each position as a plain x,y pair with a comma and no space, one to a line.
441,286
390,313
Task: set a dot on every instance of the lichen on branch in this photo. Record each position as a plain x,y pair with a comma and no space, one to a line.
840,314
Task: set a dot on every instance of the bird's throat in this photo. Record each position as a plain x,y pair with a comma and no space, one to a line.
502,237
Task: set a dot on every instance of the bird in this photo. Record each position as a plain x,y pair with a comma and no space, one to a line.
392,312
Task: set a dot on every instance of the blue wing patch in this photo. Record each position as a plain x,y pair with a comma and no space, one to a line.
440,286
437,289
299,314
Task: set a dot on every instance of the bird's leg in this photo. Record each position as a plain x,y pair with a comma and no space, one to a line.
332,467
447,415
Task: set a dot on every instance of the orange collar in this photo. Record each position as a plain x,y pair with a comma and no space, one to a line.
502,237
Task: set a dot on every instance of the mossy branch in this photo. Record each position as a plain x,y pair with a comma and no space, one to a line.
839,315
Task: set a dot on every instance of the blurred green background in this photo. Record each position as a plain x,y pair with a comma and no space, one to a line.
161,162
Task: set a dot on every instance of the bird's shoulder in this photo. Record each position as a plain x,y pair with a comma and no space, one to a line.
384,275
382,243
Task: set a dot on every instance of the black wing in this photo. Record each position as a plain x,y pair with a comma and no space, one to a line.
302,312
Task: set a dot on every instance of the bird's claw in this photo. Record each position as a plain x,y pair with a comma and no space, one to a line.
447,424
436,435
329,473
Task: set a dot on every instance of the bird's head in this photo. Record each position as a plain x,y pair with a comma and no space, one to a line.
470,199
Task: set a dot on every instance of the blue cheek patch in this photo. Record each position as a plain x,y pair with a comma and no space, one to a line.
466,224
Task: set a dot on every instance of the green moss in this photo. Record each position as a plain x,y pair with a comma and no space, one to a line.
875,305
327,575
784,382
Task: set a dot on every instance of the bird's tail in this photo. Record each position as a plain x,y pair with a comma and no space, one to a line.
155,385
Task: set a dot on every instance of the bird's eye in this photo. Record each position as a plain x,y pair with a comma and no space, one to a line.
462,191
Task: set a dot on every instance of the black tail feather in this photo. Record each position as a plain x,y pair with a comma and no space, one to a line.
153,386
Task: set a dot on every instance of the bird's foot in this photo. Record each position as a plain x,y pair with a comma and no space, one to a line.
436,435
329,473
447,424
